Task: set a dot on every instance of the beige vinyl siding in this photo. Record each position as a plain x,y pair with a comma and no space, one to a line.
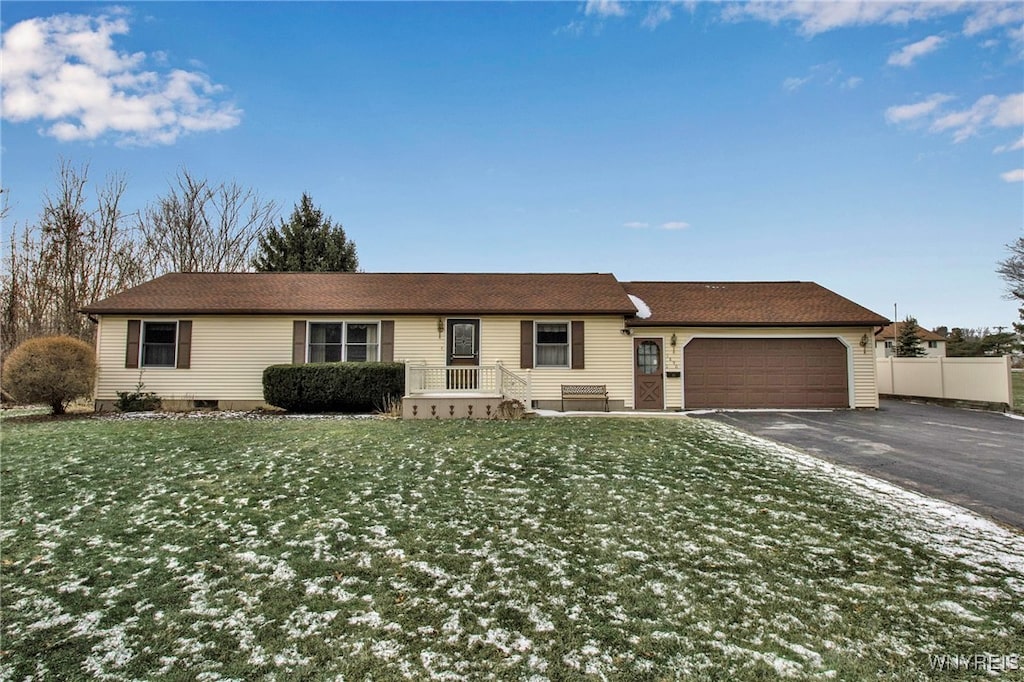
608,354
417,339
865,390
229,354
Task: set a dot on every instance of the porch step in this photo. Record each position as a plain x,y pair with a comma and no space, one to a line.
449,405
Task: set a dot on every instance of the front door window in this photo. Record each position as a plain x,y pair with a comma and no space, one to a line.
648,358
463,339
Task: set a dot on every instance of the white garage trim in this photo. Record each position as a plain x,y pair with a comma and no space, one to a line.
713,335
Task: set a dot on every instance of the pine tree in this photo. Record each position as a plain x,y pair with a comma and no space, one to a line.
908,342
307,242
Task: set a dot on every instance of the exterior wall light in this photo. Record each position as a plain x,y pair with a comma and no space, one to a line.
673,341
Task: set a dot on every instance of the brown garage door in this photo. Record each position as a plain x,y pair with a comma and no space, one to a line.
765,373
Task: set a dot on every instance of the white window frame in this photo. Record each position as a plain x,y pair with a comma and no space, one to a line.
933,344
344,337
142,344
568,345
345,342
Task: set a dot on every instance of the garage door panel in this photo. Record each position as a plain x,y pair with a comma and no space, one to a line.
785,373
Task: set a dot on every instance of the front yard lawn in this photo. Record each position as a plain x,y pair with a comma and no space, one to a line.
553,549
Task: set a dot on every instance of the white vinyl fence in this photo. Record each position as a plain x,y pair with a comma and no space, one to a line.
981,379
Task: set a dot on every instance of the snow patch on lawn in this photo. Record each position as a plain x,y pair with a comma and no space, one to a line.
956,532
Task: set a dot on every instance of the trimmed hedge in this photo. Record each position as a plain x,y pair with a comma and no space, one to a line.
333,386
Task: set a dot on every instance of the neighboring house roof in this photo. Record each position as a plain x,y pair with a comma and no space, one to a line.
890,331
335,293
747,304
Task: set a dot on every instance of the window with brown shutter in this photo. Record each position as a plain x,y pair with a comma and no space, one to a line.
159,343
184,344
299,342
131,353
526,344
552,344
387,341
577,344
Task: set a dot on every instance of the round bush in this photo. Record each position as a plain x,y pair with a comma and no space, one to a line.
53,370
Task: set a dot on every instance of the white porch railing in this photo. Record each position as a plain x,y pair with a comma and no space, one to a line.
494,379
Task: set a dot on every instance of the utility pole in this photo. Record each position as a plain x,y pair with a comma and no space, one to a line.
895,330
895,350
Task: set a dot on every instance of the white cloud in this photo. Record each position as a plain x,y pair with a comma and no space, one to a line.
657,15
604,8
635,225
910,112
827,73
66,72
1012,147
792,84
1016,175
573,28
990,111
987,111
675,225
1010,112
909,53
814,17
994,15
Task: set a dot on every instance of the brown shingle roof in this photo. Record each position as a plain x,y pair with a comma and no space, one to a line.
364,293
756,304
890,331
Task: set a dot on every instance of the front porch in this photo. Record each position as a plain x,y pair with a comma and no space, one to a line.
461,392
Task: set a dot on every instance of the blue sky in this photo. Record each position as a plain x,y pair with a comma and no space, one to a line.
875,148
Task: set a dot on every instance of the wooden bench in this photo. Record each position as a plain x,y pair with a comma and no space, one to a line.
584,392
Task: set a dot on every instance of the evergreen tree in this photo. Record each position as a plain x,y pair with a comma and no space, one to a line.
960,344
1000,343
908,342
307,242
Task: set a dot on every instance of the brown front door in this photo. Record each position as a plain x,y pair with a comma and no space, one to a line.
648,375
463,352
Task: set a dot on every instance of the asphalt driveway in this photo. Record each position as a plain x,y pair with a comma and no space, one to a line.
974,459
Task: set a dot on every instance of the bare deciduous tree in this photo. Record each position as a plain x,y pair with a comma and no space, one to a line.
81,251
199,227
1012,272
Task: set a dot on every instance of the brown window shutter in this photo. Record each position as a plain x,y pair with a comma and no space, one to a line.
526,344
131,353
387,341
299,342
184,344
577,344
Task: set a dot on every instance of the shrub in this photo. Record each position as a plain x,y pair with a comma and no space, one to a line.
53,370
333,386
137,400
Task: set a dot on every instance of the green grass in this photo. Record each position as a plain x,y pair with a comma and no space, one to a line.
1018,391
544,549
